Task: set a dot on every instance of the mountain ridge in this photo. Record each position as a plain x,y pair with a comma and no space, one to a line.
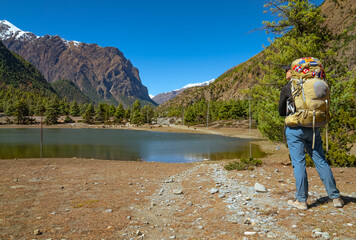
164,97
102,73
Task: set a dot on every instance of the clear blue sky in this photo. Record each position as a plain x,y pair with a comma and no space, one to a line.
171,42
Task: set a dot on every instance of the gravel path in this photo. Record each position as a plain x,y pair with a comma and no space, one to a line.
208,202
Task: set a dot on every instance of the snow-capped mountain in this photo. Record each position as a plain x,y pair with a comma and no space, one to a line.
102,73
197,84
164,97
8,31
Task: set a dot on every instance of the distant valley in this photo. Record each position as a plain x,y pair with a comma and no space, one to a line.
164,97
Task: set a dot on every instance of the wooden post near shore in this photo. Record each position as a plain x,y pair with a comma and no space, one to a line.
41,136
183,115
249,115
249,123
250,150
207,117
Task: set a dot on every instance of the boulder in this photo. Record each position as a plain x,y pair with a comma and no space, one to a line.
260,188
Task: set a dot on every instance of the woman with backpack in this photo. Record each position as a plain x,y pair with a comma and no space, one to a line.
304,102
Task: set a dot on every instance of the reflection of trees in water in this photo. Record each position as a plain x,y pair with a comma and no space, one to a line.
68,151
8,151
123,145
92,151
248,150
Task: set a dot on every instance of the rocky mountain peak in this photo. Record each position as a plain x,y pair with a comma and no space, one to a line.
8,30
102,73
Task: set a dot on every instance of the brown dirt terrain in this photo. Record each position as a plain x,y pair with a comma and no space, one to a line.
99,199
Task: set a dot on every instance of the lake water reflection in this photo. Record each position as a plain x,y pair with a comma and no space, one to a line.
118,144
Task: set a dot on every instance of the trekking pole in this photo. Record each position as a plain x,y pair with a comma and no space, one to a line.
327,137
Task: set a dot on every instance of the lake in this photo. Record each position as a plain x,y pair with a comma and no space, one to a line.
119,144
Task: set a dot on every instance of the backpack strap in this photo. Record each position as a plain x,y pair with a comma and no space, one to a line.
326,130
300,83
294,91
313,145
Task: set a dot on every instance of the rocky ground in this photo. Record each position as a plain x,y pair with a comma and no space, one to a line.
98,199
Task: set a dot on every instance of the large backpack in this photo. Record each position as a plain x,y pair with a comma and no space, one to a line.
310,93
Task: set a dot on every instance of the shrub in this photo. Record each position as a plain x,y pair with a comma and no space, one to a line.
309,161
68,120
243,164
337,156
252,162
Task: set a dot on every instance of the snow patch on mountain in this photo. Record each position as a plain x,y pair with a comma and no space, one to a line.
9,30
197,84
164,97
75,43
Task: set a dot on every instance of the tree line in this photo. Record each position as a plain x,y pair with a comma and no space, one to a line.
24,105
203,111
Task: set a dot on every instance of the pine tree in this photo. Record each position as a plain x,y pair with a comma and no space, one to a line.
75,110
136,106
190,115
89,114
136,117
111,110
21,111
119,113
224,112
53,111
147,114
83,108
128,114
64,106
102,113
237,110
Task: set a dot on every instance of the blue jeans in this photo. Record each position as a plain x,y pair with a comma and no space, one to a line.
299,139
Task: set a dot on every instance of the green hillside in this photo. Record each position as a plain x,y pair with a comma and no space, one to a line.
68,89
19,73
338,21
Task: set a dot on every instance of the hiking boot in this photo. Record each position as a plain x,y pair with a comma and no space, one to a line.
297,204
338,203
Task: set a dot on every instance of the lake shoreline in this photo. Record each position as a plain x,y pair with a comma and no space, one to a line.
199,143
224,131
267,146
